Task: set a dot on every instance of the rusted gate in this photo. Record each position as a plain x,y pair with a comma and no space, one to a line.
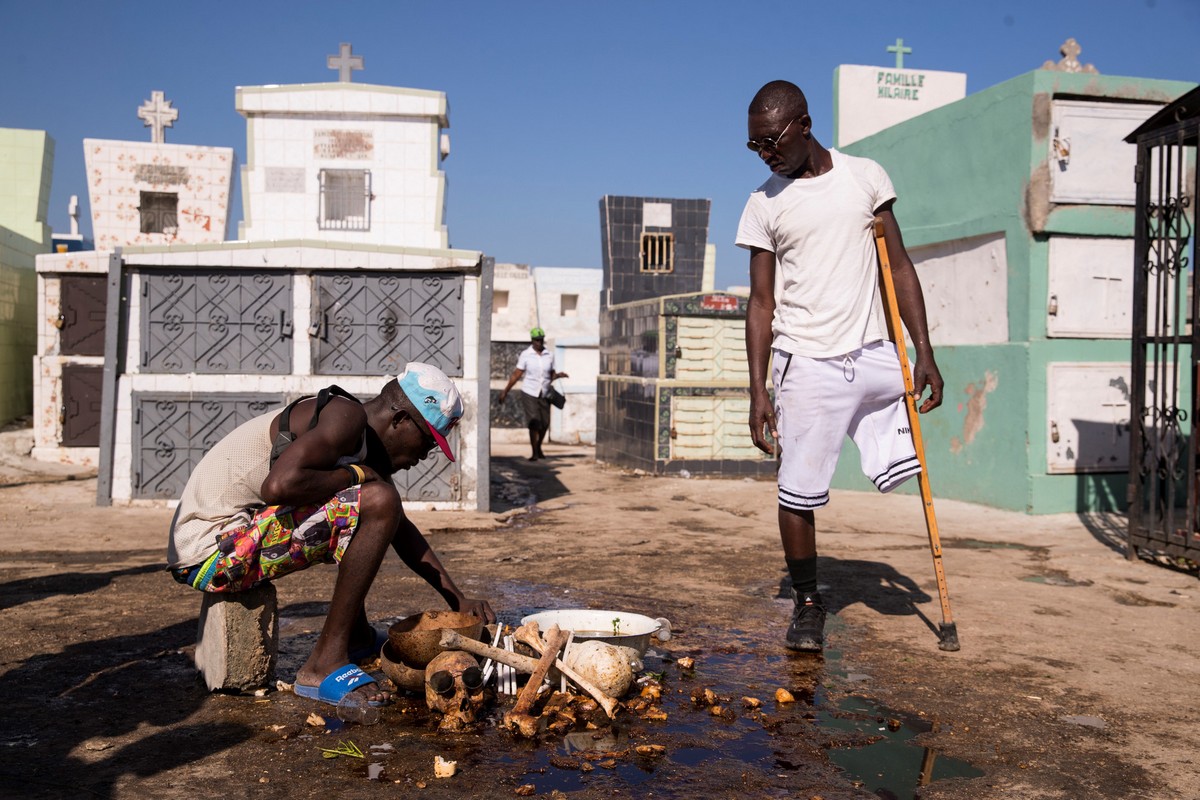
1163,488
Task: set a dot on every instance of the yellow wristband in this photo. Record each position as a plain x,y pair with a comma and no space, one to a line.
359,475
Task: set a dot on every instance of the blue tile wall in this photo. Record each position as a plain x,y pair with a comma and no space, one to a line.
621,231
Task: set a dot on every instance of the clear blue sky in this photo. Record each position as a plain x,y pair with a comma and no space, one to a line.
552,104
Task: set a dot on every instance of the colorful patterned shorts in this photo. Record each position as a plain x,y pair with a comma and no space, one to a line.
276,541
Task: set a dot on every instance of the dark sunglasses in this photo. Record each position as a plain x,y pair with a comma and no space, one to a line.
769,142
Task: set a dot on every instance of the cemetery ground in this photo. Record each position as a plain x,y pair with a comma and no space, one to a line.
1077,677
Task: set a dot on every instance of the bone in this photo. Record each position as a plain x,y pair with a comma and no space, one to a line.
529,634
456,641
525,664
519,718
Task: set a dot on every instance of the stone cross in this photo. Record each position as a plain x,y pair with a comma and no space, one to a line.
156,114
73,212
899,49
1070,51
344,63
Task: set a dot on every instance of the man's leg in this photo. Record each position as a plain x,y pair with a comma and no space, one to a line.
535,441
798,531
379,513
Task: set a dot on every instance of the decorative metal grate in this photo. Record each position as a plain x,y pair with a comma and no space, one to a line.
375,323
435,479
1163,478
216,322
345,200
171,433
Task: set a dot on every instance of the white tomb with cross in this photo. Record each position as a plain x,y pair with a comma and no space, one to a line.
157,193
344,161
139,193
868,99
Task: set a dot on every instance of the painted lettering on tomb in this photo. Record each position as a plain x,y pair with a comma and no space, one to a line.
355,145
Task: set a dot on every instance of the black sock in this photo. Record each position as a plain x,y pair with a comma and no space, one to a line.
803,572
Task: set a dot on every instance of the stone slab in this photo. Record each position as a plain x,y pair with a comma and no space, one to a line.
238,639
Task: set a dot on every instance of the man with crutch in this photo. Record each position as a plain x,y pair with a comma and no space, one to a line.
815,305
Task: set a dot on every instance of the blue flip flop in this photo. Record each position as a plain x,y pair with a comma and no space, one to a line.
337,684
369,652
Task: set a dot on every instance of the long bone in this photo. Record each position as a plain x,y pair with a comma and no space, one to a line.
519,718
530,635
455,641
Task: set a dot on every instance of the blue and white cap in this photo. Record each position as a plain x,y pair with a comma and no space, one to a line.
436,397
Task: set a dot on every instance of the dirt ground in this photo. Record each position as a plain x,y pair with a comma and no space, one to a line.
1077,677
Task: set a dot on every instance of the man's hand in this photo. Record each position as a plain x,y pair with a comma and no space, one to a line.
926,374
369,474
502,396
480,608
762,418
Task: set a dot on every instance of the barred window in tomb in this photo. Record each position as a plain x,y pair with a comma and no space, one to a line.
160,212
658,252
345,200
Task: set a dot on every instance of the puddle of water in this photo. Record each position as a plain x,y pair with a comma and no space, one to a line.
890,766
979,544
768,748
1055,580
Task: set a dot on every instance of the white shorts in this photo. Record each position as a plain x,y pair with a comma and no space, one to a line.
818,401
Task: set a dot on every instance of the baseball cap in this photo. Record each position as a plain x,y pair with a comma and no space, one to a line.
537,333
436,397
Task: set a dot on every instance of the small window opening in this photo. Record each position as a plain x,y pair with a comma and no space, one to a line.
159,212
500,302
569,305
345,200
658,252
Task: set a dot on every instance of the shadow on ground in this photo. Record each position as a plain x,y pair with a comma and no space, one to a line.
69,716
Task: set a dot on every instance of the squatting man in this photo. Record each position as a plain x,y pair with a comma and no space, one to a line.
816,316
312,483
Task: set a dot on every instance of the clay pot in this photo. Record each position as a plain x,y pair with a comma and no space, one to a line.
405,676
415,639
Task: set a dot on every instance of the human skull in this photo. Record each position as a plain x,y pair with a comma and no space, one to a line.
454,687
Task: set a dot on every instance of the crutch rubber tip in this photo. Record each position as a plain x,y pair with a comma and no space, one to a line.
948,636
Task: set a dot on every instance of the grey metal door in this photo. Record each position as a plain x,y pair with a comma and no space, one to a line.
82,303
172,432
434,479
217,321
374,323
81,390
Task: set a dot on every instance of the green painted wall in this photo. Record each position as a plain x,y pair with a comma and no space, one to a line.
26,167
979,166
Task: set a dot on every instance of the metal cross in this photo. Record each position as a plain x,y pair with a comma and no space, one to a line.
899,49
344,62
156,114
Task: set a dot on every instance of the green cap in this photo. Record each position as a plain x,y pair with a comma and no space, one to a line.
537,333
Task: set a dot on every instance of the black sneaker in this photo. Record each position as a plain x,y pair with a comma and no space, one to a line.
806,633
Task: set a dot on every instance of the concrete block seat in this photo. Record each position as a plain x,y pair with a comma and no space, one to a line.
238,639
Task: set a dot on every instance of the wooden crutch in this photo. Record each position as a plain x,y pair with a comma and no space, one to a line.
948,632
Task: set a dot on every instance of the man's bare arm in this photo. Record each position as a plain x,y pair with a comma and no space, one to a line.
307,471
759,315
517,374
912,310
414,550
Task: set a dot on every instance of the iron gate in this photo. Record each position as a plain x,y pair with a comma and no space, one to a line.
1166,347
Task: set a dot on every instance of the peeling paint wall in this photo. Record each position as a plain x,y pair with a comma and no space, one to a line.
980,166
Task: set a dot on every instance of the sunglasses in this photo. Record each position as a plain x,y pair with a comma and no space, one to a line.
769,142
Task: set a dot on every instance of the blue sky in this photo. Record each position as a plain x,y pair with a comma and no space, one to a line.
552,104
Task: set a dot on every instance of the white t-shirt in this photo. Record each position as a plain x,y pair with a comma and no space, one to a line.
538,370
827,300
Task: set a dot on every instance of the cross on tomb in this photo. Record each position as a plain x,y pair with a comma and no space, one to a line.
344,62
156,114
899,49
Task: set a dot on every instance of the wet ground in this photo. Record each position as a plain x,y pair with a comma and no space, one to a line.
1078,682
